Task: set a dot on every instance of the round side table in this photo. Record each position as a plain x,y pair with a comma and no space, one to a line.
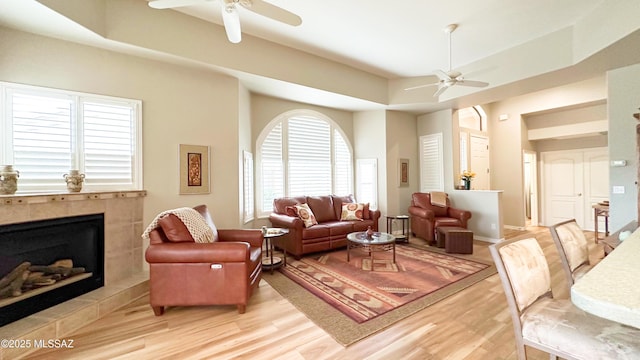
269,261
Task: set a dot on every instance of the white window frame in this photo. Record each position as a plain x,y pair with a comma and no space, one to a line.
78,99
282,119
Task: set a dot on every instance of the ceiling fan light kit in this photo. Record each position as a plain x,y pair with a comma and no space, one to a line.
230,16
451,77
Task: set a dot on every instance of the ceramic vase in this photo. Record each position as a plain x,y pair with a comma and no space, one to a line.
369,233
74,180
467,184
8,180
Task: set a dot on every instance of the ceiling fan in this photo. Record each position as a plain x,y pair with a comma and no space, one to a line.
230,16
451,77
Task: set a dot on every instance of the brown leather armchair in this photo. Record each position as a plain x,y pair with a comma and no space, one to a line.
184,272
425,217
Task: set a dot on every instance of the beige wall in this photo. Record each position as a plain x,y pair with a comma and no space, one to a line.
370,143
624,100
401,143
180,106
509,137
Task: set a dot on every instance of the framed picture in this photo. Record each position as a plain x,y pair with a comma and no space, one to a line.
194,169
403,172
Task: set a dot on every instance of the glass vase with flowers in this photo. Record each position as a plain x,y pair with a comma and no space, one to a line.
466,178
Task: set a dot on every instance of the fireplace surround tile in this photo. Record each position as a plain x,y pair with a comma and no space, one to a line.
124,279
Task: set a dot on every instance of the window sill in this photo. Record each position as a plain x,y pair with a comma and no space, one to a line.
53,196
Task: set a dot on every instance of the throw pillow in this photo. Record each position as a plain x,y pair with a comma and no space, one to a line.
352,211
306,215
174,229
291,211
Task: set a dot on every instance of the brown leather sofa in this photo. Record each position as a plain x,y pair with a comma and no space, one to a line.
184,272
329,233
426,218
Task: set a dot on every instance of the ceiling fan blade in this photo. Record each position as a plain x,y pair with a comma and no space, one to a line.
422,86
274,12
473,83
168,4
231,22
440,91
441,75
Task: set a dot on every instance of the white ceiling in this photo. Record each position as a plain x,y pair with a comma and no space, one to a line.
392,39
405,38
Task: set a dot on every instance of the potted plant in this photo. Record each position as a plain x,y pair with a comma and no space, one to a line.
466,178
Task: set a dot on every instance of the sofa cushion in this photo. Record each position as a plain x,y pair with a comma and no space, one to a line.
174,229
315,232
338,201
280,204
306,215
366,214
322,207
337,228
352,211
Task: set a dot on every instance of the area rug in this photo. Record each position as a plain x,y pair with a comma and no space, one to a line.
350,301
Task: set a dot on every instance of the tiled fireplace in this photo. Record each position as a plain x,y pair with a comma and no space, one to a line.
120,213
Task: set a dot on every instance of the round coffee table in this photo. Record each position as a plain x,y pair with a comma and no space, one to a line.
379,241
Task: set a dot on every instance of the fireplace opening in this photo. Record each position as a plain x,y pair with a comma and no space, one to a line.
49,262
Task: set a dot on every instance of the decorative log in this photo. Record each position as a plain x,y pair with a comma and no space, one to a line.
15,287
64,271
67,263
14,274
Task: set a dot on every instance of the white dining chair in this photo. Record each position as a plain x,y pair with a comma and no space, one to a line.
573,250
554,326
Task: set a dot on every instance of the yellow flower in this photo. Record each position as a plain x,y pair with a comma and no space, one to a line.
467,175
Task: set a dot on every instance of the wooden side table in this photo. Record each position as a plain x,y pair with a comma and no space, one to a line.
404,219
600,210
269,261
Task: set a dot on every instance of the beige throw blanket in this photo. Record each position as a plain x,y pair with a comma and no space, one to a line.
438,198
195,223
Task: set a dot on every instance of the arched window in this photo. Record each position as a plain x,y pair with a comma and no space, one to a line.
302,152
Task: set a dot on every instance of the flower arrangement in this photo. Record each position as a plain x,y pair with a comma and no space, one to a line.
467,175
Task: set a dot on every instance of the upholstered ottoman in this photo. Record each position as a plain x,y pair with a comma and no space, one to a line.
455,240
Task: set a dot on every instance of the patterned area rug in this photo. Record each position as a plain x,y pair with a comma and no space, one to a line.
350,301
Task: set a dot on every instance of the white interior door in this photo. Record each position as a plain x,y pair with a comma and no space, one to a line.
563,187
596,176
479,161
573,181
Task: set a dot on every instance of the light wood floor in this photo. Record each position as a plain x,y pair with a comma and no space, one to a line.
473,324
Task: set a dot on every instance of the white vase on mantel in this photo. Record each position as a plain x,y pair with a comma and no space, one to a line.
8,180
74,180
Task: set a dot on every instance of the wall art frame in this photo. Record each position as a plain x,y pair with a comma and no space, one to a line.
194,169
403,172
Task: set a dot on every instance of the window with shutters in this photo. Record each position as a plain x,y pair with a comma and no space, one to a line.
302,152
247,170
431,163
46,132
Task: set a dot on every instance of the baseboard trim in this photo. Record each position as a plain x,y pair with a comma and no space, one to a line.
487,239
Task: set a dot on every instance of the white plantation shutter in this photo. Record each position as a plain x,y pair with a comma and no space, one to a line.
40,137
247,193
47,132
108,143
302,154
309,150
431,163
